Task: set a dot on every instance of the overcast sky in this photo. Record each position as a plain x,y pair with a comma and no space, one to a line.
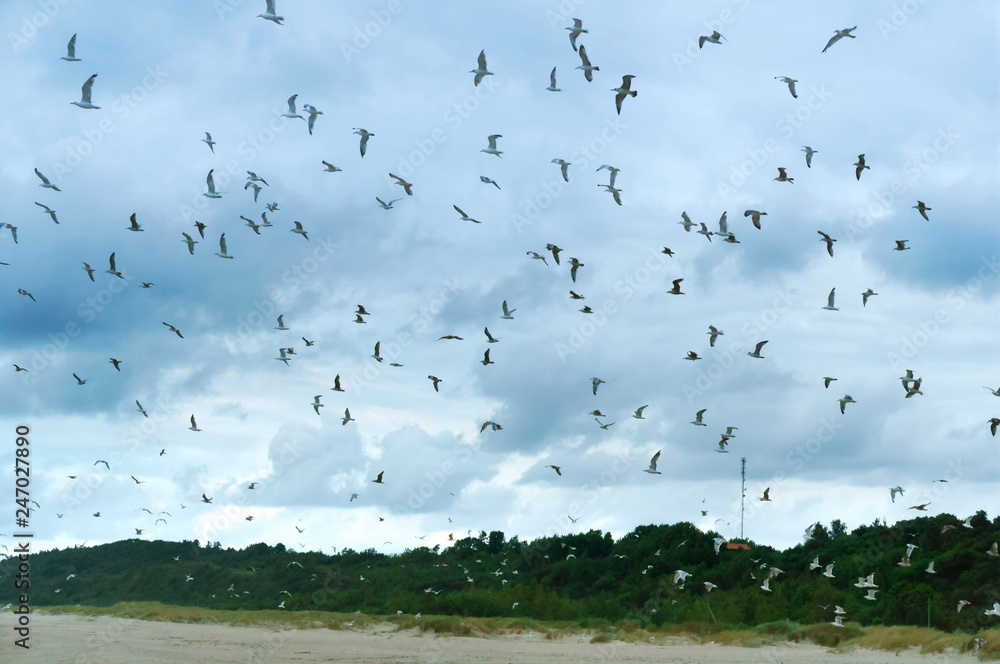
705,134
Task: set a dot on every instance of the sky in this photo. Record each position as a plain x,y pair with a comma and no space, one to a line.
704,135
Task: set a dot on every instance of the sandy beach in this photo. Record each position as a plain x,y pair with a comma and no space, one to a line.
60,639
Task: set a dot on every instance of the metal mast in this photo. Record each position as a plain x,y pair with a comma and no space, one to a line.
743,490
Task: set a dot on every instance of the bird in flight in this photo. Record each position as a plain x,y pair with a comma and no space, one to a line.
79,381
223,252
766,497
867,294
407,186
697,418
210,183
576,31
270,15
347,418
638,412
209,141
174,330
49,211
85,99
756,351
783,176
624,90
552,81
755,216
480,71
387,206
558,469
574,266
829,300
829,242
71,51
809,155
712,39
507,313
838,35
563,167
436,381
588,69
365,135
205,499
922,209
860,164
595,382
465,217
791,84
45,182
652,466
316,404
492,138
378,480
846,399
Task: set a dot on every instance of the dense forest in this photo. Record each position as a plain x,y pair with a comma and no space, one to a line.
570,577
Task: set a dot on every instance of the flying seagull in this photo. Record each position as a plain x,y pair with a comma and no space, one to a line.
480,69
829,242
79,381
210,182
652,462
624,90
48,210
489,337
71,51
85,102
846,399
576,31
922,209
298,229
829,300
860,164
552,81
365,135
783,176
507,313
135,227
697,418
755,216
638,412
838,35
809,155
24,292
588,69
595,381
713,39
574,265
492,147
209,141
407,186
45,181
756,351
900,245
174,330
222,253
270,15
378,480
141,409
112,269
486,180
563,167
347,418
387,206
465,217
714,333
194,425
867,294
791,84
313,112
558,469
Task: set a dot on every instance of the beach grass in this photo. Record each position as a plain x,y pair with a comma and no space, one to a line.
852,635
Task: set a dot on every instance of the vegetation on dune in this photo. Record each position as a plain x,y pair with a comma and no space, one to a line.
588,580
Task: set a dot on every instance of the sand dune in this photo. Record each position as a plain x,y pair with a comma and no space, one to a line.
59,639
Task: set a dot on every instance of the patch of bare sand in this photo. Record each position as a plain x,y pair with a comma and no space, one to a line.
61,639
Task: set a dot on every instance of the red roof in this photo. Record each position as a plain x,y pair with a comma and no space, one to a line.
737,545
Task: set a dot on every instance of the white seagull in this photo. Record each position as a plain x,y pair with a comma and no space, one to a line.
194,425
552,80
588,69
653,471
697,418
49,211
210,181
492,148
211,143
269,14
713,39
291,109
189,242
846,399
85,102
756,351
624,90
313,112
365,135
507,313
838,35
480,70
298,229
791,84
407,186
809,155
45,182
576,31
829,300
71,51
222,253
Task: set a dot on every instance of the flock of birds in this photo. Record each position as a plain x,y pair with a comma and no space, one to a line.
287,353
